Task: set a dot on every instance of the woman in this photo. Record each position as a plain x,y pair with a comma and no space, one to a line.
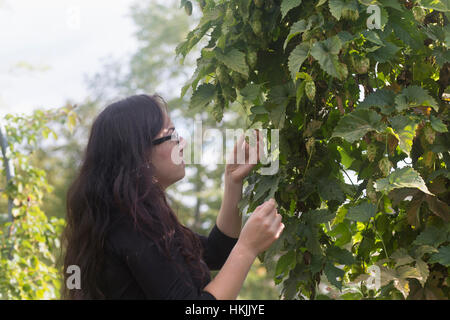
121,231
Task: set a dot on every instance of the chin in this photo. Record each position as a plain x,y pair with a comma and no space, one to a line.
182,172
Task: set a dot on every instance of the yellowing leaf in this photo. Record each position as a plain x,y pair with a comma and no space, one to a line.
405,177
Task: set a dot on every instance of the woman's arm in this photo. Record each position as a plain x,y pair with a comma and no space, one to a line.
229,220
260,231
228,282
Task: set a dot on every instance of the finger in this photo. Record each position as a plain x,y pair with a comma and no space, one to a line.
276,223
239,150
260,147
269,206
279,231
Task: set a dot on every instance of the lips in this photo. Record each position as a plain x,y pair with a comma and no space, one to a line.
181,155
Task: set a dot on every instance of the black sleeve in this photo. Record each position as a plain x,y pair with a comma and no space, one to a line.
217,247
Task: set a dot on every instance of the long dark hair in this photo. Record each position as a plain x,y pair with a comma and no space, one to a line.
116,176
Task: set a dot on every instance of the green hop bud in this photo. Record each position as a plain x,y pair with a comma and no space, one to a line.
310,145
222,75
310,89
385,166
252,59
229,93
217,111
258,3
429,133
360,64
371,152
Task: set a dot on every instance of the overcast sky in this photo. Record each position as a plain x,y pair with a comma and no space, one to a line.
48,46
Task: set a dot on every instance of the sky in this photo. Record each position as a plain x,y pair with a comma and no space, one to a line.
48,47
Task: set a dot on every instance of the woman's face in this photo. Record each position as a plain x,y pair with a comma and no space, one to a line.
167,157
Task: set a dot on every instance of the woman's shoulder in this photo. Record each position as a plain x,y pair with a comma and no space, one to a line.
124,235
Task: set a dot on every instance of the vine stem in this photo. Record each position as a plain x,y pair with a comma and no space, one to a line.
376,231
307,164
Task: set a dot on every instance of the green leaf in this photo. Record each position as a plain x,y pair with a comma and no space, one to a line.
414,96
234,59
392,4
304,76
278,115
424,249
346,159
252,93
431,236
333,273
382,98
362,212
405,130
341,233
281,93
278,99
439,5
405,177
385,53
202,96
285,263
424,271
297,28
71,120
326,53
441,172
258,110
373,37
442,55
356,124
340,255
344,8
263,185
287,5
437,124
297,57
401,257
345,37
442,256
329,189
318,216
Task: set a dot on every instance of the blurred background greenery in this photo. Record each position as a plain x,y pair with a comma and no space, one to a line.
152,68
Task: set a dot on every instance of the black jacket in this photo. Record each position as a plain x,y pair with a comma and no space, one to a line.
135,269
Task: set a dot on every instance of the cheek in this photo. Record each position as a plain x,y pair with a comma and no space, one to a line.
162,157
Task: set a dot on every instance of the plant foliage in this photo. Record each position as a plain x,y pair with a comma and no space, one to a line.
300,66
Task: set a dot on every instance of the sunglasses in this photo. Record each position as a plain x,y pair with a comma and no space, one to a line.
174,137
